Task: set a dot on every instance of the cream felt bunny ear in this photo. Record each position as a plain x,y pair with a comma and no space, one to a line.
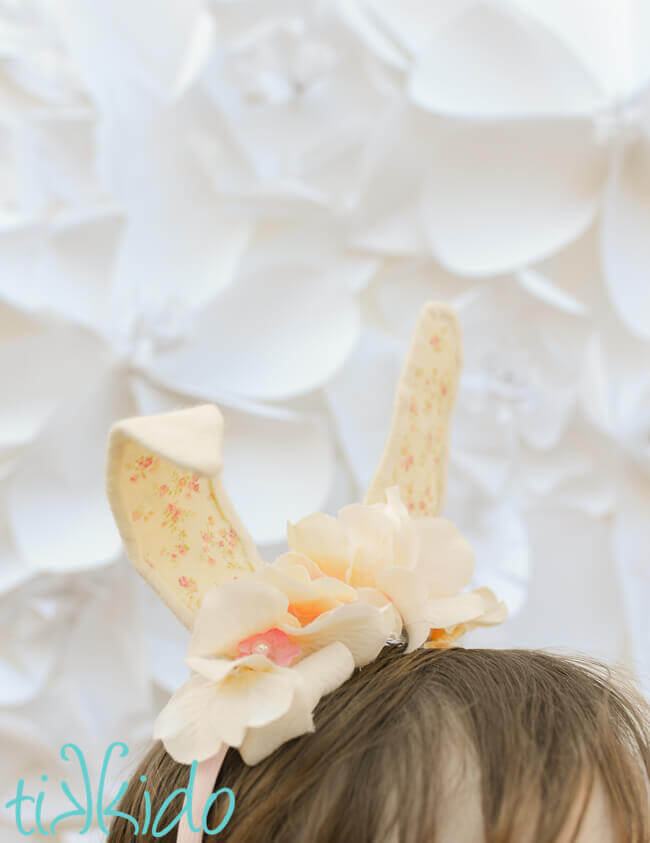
270,639
180,530
415,455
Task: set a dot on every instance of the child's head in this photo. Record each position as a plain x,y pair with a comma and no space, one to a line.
451,746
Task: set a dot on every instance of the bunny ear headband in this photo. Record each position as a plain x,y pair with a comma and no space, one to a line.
269,640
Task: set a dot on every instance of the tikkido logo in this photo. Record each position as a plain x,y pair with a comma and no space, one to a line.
89,804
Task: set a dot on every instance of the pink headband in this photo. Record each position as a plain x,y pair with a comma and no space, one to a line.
207,773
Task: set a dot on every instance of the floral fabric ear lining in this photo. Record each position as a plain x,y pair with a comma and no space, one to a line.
415,456
270,639
180,530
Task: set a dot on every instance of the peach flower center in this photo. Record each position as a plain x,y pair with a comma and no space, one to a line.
274,644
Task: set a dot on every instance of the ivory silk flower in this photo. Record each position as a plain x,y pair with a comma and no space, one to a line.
245,689
266,647
420,565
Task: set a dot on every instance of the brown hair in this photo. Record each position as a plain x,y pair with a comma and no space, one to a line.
539,729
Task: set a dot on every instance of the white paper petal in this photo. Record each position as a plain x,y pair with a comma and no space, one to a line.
630,541
29,643
412,24
538,285
361,21
38,372
166,640
579,472
63,270
599,44
504,194
105,652
400,287
514,366
276,82
387,218
498,534
361,399
582,557
492,61
181,243
626,250
249,342
96,35
57,505
277,467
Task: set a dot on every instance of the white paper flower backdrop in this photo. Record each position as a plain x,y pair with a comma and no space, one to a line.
248,202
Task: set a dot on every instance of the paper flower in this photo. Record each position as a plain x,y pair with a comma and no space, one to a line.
517,171
253,669
275,83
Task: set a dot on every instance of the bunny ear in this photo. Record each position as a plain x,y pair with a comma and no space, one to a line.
415,455
180,530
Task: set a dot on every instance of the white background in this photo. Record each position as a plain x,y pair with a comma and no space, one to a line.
248,203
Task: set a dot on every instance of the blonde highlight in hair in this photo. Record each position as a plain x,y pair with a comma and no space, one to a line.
538,729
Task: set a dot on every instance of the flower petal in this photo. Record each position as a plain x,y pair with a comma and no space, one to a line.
59,483
181,725
371,371
39,371
323,539
505,194
392,618
320,674
203,713
216,669
495,611
496,62
630,539
373,537
289,455
232,612
445,557
406,537
409,596
360,626
323,591
261,742
625,248
255,319
299,566
325,670
449,611
95,34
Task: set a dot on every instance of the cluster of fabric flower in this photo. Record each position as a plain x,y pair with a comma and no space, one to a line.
266,648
